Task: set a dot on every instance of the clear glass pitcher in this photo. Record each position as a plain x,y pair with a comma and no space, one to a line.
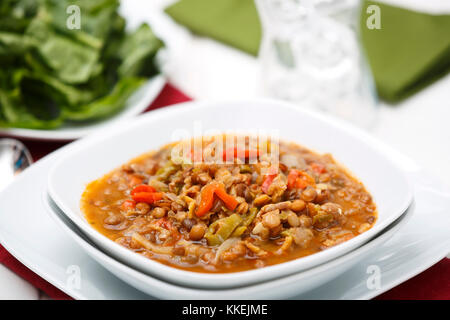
310,55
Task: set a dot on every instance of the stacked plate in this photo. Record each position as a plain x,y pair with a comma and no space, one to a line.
92,157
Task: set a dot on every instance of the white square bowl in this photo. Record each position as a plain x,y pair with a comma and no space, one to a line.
92,157
281,288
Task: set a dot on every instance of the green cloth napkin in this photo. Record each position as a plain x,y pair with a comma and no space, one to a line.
411,49
234,22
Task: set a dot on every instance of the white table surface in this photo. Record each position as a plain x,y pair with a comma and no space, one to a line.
205,69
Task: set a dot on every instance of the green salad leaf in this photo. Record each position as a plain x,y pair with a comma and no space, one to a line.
50,74
103,106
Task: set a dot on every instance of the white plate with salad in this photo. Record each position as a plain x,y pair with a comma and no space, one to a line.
135,105
64,76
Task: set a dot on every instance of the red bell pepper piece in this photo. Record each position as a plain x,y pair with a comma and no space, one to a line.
239,153
142,188
299,179
270,176
207,198
229,201
318,168
147,197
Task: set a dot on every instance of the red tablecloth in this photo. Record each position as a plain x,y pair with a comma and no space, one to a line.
434,283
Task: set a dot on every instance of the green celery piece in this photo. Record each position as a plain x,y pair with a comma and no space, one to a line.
246,221
249,217
166,171
221,229
107,105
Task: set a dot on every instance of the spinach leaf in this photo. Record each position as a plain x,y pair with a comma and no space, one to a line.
107,105
50,75
70,61
137,52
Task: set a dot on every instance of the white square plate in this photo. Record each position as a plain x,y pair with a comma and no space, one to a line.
94,156
28,233
281,288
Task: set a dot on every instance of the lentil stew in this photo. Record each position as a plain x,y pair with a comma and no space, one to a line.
251,210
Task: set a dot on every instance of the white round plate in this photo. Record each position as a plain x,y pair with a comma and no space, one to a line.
136,104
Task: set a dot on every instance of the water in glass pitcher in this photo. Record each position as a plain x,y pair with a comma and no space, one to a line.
310,55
